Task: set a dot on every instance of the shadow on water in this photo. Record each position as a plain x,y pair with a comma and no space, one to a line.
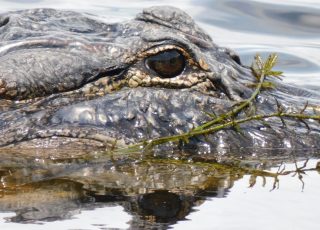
156,192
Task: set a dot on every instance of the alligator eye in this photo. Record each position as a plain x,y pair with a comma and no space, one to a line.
167,64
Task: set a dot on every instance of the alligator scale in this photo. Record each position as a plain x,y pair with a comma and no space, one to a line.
68,80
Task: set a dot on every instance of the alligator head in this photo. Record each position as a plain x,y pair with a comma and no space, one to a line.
67,79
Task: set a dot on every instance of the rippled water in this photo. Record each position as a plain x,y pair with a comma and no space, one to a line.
208,198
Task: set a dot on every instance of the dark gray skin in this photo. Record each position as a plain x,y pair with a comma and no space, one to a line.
68,80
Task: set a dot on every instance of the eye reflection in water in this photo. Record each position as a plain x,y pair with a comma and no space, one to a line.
156,193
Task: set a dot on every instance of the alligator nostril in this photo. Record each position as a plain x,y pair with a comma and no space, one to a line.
4,21
236,58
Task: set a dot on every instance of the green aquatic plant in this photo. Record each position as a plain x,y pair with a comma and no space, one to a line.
237,169
260,69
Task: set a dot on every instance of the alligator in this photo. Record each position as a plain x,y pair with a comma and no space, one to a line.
70,80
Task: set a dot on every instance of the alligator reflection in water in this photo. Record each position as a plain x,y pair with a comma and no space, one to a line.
156,192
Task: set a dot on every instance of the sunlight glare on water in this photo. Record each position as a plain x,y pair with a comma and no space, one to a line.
108,217
261,207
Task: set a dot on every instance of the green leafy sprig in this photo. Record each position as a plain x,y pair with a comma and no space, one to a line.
261,69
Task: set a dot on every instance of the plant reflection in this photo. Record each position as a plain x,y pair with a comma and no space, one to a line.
156,192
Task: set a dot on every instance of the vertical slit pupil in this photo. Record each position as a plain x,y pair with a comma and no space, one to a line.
167,64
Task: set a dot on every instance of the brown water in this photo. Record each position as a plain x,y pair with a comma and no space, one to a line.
102,192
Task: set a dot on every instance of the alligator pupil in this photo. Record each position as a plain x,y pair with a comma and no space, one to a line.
167,64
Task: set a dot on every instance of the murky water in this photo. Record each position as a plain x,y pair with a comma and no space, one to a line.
98,192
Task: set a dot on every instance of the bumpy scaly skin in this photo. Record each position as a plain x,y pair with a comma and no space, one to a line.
69,80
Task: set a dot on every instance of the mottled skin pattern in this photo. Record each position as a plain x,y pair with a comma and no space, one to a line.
69,80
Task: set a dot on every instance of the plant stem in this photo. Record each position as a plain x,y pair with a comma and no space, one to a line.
236,110
218,127
260,70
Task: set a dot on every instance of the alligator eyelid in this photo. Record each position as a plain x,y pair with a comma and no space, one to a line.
192,57
154,50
